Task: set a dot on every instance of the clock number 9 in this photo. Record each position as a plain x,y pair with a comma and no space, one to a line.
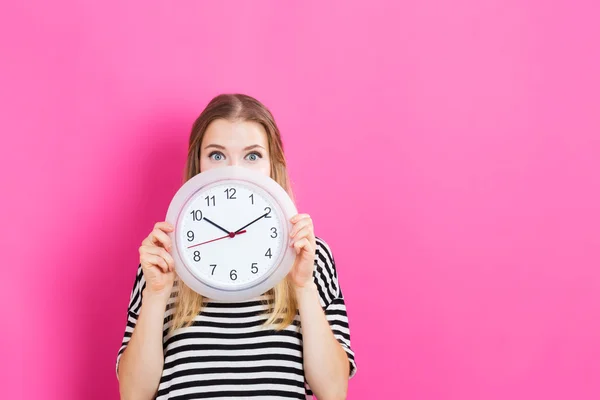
254,268
196,256
233,275
274,230
190,236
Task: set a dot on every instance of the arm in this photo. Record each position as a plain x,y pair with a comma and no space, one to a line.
141,364
326,365
326,362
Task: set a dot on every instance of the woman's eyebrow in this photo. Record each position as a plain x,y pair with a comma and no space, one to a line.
253,147
218,146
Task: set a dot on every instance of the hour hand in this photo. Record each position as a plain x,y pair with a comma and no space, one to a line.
220,227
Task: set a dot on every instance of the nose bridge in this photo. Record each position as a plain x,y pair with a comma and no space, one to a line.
233,161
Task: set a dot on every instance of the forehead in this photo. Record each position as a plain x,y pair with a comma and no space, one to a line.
234,134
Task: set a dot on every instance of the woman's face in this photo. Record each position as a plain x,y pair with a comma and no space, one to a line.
242,143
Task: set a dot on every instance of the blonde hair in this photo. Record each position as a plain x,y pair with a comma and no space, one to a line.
237,107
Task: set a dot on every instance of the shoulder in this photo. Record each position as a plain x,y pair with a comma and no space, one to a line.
325,273
139,284
324,256
324,249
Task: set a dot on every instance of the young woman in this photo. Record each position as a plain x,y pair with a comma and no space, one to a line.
290,342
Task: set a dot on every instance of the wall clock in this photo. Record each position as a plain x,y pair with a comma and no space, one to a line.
231,236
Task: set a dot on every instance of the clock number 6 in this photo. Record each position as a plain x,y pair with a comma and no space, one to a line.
233,275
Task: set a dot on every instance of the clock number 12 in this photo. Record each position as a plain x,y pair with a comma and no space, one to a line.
230,194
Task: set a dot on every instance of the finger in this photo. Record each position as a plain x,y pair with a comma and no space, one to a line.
153,269
301,224
159,237
159,251
148,241
162,253
302,244
305,232
164,225
160,226
158,261
298,217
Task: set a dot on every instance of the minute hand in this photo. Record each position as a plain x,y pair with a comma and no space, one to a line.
247,225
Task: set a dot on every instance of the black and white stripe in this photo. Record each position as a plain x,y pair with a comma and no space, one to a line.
226,353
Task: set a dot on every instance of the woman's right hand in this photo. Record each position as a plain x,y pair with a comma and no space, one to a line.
157,263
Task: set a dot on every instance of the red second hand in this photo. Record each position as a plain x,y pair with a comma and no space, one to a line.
232,234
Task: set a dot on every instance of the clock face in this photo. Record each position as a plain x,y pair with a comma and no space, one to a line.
231,235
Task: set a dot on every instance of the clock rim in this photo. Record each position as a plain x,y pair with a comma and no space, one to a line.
222,175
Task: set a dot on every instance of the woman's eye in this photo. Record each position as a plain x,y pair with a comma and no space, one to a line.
253,156
216,156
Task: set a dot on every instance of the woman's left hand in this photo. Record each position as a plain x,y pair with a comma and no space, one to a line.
302,239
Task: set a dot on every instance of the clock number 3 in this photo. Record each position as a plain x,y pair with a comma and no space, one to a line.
273,232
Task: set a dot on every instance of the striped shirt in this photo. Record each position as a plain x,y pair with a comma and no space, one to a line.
226,353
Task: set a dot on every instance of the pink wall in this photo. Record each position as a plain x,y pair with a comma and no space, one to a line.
447,150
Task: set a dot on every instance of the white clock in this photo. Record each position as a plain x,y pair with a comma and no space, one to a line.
231,236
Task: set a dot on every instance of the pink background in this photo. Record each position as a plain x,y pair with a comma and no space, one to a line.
447,150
